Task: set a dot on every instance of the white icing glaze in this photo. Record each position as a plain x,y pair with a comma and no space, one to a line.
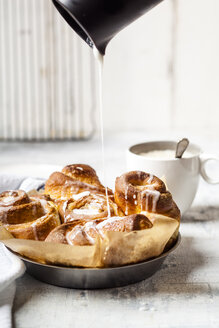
154,194
126,200
90,226
69,239
65,204
78,232
84,232
74,190
79,168
68,218
7,199
150,178
99,57
33,225
86,211
91,240
151,187
95,207
72,234
42,201
80,195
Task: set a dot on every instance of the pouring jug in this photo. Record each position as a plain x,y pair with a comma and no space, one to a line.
98,21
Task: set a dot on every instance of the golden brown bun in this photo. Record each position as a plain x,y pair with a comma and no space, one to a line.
27,217
140,192
137,192
88,207
74,179
80,232
83,173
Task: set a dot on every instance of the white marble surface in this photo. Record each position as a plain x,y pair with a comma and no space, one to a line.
184,293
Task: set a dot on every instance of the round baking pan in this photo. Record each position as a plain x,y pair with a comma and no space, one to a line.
88,278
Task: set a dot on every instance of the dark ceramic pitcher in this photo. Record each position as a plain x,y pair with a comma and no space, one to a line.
98,21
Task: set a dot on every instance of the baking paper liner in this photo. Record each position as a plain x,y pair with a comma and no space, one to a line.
116,249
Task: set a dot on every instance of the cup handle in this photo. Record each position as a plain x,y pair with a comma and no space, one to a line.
204,159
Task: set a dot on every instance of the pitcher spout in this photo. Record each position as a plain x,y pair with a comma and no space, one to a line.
98,21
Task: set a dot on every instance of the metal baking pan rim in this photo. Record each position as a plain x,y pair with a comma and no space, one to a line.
102,269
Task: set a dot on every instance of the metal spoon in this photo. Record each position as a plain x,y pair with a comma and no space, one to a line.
181,147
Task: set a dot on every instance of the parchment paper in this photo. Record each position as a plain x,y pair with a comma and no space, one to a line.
116,249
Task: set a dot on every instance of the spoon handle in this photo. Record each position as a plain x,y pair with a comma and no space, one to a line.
181,147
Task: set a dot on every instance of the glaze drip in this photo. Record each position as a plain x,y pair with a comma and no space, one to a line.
99,57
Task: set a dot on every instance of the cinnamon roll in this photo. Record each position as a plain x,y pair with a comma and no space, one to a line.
137,192
27,217
81,233
88,207
74,179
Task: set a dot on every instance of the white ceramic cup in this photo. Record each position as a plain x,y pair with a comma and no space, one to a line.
181,174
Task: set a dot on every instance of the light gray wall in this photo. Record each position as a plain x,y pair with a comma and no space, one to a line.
47,74
161,71
164,69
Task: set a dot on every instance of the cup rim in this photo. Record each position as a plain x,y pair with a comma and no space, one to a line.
197,150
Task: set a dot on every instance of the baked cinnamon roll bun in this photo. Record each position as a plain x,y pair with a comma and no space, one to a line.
88,207
81,233
27,217
137,192
74,179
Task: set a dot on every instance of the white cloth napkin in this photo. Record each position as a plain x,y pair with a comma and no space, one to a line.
11,267
13,182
